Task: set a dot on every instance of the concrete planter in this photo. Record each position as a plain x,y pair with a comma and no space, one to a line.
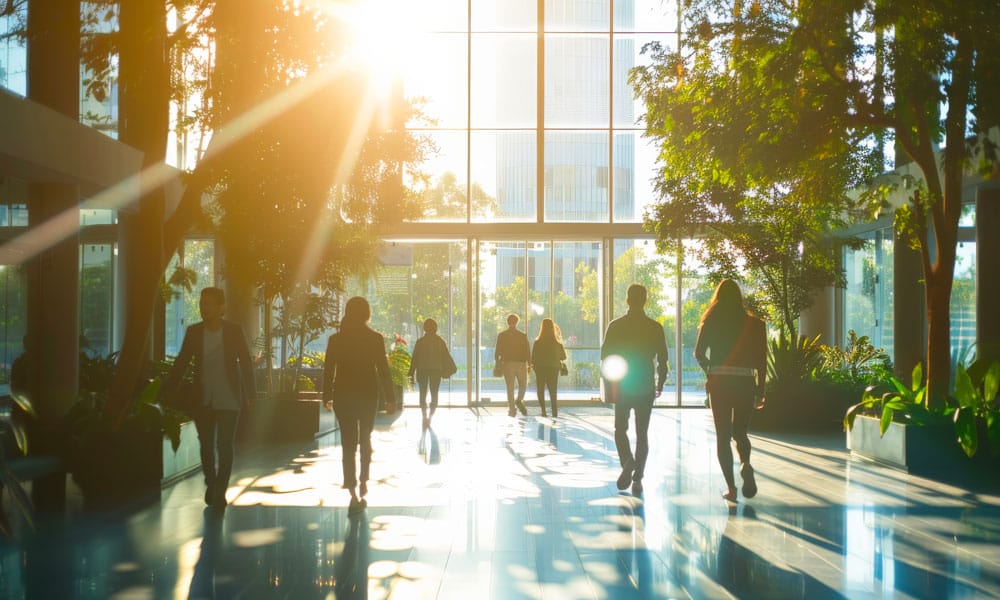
930,451
177,465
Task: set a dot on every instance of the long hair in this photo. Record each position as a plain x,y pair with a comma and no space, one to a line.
357,313
549,331
726,305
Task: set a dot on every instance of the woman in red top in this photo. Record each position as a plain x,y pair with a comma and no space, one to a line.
732,350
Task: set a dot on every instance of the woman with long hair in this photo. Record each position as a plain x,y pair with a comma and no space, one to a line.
547,355
732,350
355,366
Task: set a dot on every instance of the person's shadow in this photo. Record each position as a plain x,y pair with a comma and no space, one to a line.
203,580
429,447
636,561
351,570
732,560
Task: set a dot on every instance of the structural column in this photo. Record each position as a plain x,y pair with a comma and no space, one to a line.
988,267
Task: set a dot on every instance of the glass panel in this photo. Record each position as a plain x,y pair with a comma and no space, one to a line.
968,218
576,299
96,298
576,80
445,191
636,261
504,80
505,15
576,15
576,176
13,317
99,91
446,15
502,291
425,280
503,168
645,15
696,293
13,202
963,301
868,297
635,167
436,70
628,54
182,310
14,51
97,216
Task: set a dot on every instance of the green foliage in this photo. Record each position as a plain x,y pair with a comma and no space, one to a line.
790,361
399,363
903,403
858,364
771,111
976,401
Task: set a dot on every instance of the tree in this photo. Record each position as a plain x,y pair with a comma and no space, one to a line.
746,168
791,104
302,186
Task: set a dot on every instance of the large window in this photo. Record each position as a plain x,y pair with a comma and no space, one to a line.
13,50
868,297
98,263
536,131
13,316
182,310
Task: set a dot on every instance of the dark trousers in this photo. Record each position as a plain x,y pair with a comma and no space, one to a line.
732,406
356,424
217,439
547,378
643,411
428,381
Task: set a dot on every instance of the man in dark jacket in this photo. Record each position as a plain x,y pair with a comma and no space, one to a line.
513,354
632,346
223,383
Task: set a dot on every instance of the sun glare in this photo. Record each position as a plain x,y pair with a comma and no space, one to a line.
384,33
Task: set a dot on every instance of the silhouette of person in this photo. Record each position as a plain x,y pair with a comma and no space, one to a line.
351,567
203,580
633,344
224,379
431,361
513,354
732,350
355,365
547,355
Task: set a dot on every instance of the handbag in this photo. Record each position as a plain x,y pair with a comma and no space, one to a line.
498,369
563,368
449,367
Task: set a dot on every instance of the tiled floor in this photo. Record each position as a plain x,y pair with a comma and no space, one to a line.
494,507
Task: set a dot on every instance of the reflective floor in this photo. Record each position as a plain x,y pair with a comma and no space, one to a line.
494,507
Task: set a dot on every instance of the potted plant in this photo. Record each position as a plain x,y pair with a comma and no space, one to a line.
959,442
115,463
399,370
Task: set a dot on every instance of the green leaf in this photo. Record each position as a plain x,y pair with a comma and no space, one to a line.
991,383
965,429
917,377
965,392
885,421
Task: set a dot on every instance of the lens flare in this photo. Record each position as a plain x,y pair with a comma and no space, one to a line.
614,368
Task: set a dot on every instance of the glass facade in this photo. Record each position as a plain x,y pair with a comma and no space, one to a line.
98,266
182,309
869,295
13,50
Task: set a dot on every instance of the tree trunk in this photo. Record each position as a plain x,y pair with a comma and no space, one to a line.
144,102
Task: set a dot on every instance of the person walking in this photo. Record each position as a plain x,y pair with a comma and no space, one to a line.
547,356
513,354
355,367
223,383
430,363
633,344
732,350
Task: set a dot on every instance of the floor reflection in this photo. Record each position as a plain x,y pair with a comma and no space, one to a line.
496,507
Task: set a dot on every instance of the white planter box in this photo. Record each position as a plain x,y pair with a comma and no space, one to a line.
177,465
864,440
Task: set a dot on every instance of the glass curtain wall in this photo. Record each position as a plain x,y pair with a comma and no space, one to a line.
98,264
868,296
182,309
